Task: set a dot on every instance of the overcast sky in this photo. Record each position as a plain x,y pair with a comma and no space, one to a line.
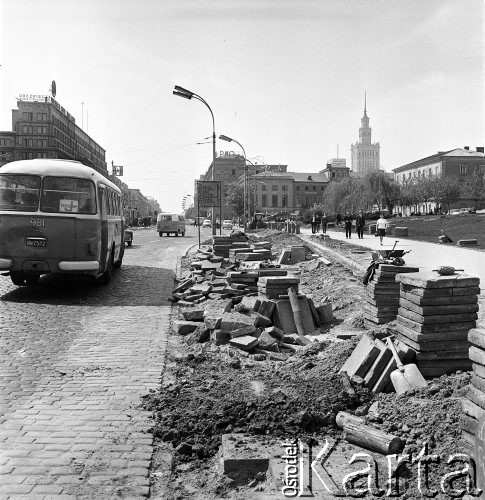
286,78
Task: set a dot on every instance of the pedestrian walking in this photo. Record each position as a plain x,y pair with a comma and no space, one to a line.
348,225
338,219
324,223
314,223
359,224
381,226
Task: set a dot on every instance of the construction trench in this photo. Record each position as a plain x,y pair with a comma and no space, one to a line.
280,354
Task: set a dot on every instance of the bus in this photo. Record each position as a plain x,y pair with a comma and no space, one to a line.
58,216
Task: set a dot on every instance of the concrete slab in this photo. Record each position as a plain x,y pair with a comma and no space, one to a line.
430,279
362,357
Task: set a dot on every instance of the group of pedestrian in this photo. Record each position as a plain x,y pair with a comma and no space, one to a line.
359,225
318,222
381,224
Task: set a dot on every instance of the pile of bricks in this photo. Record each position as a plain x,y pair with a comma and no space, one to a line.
222,244
474,403
434,317
272,287
382,297
373,362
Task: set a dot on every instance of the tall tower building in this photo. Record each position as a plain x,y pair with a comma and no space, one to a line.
365,154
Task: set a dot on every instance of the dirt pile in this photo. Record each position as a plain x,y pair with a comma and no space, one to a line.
219,391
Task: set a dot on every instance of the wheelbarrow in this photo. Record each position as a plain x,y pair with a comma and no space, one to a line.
393,253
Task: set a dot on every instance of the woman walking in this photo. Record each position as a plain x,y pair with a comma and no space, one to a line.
381,226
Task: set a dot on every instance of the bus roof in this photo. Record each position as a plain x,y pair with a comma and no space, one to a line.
56,167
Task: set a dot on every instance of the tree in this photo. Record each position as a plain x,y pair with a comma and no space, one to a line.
382,190
474,187
235,197
445,190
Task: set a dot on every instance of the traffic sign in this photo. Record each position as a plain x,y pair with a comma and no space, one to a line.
209,193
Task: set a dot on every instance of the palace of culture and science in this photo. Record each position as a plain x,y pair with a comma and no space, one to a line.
365,154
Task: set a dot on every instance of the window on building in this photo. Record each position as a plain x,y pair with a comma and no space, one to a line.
322,188
44,130
44,143
298,188
274,200
462,169
306,188
25,129
233,171
333,174
263,187
274,187
264,200
284,187
298,201
314,188
284,200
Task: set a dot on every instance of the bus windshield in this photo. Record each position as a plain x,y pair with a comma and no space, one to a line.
68,195
19,192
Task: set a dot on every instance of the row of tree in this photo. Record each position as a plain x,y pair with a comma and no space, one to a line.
378,190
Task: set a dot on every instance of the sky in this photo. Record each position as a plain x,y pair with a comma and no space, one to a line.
286,78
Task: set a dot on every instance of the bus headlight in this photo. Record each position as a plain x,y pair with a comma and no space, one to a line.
91,246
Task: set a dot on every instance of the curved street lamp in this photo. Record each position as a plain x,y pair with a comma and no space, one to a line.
245,203
188,94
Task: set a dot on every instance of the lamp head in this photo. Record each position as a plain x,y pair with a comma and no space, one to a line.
178,88
225,138
181,94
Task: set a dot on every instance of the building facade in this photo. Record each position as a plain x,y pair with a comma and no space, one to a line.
42,128
281,192
365,155
336,169
458,163
229,168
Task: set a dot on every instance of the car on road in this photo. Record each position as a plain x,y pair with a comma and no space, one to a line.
226,224
190,222
454,211
128,237
170,223
207,223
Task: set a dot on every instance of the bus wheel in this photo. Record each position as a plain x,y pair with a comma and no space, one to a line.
17,278
160,233
32,280
118,263
183,233
105,278
176,233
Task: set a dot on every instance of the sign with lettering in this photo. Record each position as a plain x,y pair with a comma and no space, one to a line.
209,193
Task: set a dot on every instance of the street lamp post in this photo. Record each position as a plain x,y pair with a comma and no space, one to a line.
187,94
245,201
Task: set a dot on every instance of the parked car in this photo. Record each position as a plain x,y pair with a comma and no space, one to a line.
207,223
128,237
226,224
454,211
191,222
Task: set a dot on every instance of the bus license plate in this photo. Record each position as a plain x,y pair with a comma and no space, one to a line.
36,242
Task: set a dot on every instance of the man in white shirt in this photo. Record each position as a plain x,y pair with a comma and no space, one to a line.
381,226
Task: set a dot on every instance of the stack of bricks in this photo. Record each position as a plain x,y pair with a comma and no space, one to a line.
474,402
247,278
222,244
271,287
382,300
434,317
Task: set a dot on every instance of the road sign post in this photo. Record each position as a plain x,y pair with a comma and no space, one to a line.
209,196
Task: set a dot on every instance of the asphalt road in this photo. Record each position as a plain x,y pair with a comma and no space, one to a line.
75,358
